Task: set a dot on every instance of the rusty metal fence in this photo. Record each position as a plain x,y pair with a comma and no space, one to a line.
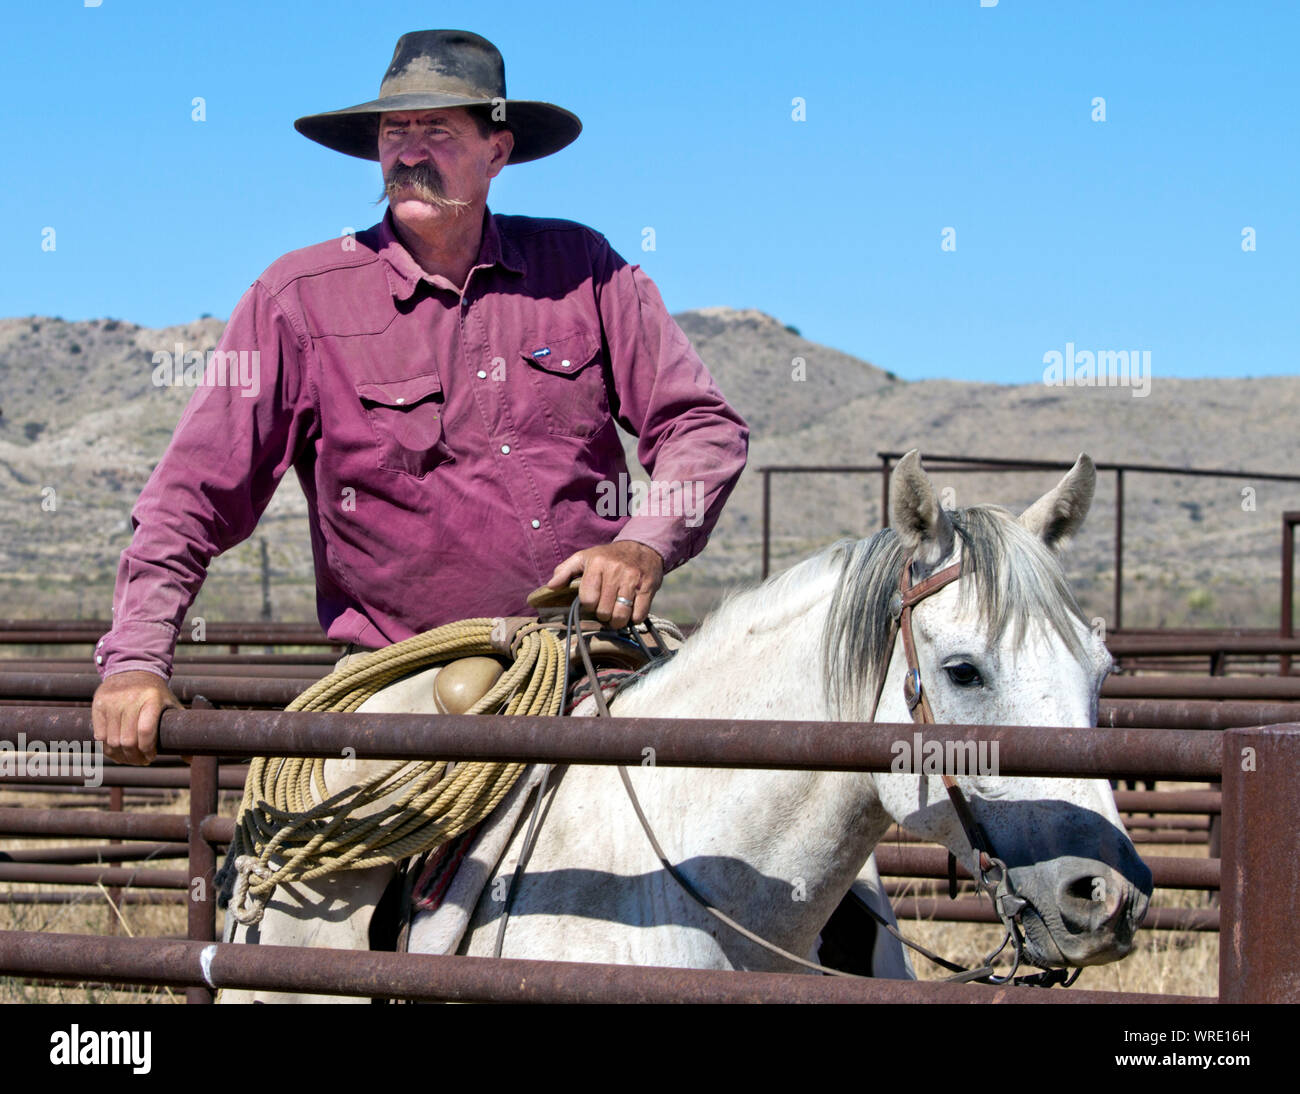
996,464
1259,953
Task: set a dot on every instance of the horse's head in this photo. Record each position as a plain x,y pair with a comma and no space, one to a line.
1002,644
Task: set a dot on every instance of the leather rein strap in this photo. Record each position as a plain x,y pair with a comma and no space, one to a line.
993,872
918,704
960,973
993,875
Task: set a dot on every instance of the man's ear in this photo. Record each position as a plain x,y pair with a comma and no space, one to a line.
503,143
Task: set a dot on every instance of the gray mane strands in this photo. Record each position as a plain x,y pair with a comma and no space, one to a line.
1018,582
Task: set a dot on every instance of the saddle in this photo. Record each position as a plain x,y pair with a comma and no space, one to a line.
616,657
462,682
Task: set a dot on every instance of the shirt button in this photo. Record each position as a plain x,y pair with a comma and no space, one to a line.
464,301
482,375
505,449
564,364
99,660
400,400
537,524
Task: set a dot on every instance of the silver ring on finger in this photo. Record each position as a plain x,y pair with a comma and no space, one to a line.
623,600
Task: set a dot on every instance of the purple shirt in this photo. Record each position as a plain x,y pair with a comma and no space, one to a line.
452,450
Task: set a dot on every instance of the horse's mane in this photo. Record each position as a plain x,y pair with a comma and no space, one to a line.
1017,582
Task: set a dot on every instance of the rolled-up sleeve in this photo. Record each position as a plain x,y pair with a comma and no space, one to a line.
243,428
691,441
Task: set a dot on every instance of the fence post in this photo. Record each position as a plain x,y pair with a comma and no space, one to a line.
116,803
1289,521
767,521
884,491
1118,624
1259,947
201,900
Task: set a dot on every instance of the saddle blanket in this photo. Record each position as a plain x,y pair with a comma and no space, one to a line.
452,880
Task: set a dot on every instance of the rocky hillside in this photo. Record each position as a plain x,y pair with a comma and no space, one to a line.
82,424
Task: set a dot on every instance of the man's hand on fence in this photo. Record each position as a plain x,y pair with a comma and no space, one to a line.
125,714
618,580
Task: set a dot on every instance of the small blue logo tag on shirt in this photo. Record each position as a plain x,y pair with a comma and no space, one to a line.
545,351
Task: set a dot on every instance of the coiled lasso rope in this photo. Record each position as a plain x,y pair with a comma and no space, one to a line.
285,812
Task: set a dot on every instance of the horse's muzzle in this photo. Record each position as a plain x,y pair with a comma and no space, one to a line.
1082,912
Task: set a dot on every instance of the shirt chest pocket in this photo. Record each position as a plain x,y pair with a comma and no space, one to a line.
566,372
406,417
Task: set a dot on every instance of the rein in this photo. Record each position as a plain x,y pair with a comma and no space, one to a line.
993,873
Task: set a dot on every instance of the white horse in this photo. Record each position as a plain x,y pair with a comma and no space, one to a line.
778,850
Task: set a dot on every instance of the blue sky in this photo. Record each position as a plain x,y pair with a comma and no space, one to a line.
1116,234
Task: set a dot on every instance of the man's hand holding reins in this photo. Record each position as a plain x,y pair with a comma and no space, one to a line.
619,580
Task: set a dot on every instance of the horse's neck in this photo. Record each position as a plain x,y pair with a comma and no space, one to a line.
770,674
748,660
811,828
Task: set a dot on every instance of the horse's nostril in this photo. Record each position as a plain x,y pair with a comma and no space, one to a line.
1091,900
1083,888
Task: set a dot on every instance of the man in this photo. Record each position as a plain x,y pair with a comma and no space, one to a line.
445,385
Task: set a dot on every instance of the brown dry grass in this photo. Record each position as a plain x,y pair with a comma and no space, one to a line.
93,913
1163,962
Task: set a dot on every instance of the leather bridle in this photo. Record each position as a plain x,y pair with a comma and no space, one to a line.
918,703
992,875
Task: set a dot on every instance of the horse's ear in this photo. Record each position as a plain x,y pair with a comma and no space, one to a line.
1058,514
914,511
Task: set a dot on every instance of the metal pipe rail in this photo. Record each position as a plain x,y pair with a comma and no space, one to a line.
96,853
932,862
135,877
307,674
67,632
970,910
138,778
1260,796
1196,645
439,979
1268,688
1193,713
1168,801
279,691
952,464
692,742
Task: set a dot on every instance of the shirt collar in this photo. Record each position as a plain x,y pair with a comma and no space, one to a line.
405,274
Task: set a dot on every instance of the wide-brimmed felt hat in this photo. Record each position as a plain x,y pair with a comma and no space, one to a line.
438,68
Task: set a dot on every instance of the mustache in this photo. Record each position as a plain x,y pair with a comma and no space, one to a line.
421,179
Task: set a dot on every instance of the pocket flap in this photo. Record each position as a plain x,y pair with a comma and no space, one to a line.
401,392
565,355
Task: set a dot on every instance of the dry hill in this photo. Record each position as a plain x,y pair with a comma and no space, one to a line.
80,415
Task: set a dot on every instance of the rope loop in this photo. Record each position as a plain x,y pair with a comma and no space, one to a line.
403,808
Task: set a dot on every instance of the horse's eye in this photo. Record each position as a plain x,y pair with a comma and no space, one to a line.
964,675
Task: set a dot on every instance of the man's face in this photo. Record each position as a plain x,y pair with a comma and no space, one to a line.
436,163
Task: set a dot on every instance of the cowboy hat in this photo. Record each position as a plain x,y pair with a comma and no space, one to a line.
438,68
